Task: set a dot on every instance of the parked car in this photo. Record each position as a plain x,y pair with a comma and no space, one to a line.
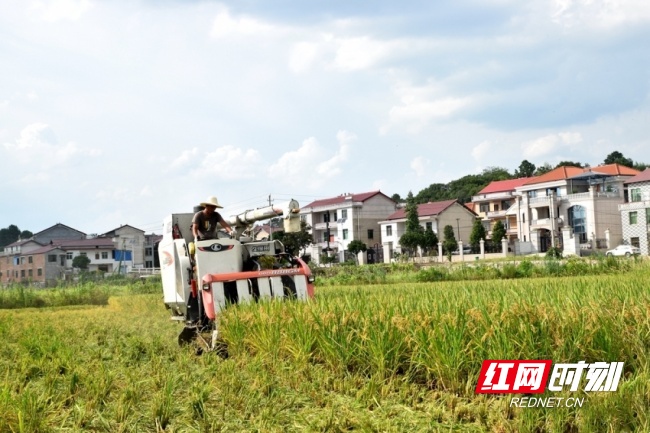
467,249
624,250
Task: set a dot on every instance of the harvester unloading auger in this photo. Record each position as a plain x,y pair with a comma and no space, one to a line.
199,280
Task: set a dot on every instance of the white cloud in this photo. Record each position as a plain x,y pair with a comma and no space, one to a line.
225,25
602,14
308,163
302,56
37,145
185,158
420,166
230,163
421,105
359,53
58,10
549,143
481,150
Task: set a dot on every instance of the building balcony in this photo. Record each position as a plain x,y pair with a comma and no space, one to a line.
546,223
494,196
495,214
323,226
541,201
635,205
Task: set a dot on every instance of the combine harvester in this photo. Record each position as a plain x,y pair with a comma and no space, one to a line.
200,280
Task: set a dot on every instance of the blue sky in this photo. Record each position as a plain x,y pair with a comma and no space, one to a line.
122,112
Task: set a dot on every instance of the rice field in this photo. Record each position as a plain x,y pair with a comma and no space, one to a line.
399,357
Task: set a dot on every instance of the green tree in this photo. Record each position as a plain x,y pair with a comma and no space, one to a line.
9,235
617,157
478,233
449,244
429,241
294,242
543,169
526,169
396,198
498,232
355,247
81,262
414,235
569,164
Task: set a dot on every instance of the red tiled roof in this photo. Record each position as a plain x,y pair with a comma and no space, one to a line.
559,173
643,176
615,170
341,198
425,209
43,250
83,243
504,185
568,171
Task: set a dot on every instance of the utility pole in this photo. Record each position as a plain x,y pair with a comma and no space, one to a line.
458,228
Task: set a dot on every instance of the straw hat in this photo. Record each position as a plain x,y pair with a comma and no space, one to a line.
212,201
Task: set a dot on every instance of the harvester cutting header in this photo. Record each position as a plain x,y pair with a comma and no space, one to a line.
203,275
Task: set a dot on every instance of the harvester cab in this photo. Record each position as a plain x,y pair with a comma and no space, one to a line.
201,279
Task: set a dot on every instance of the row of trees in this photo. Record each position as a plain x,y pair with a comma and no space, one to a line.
416,236
11,234
467,186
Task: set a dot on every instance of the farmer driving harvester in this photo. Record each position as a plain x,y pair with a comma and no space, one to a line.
204,223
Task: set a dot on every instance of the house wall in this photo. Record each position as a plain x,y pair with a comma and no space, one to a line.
640,229
459,218
58,231
131,239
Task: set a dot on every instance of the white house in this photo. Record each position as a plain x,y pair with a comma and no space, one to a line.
435,215
635,212
337,221
571,207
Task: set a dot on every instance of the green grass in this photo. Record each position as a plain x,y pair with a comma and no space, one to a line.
361,357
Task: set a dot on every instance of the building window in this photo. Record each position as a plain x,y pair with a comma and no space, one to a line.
326,217
578,220
496,208
532,194
104,255
345,234
523,219
22,273
484,207
428,226
371,234
335,218
39,272
22,260
96,256
51,258
30,273
30,260
635,194
635,242
62,261
344,213
647,215
83,254
389,230
148,251
69,255
633,217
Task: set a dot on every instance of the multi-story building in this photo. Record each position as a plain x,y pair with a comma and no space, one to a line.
492,203
435,215
129,244
337,221
581,201
635,212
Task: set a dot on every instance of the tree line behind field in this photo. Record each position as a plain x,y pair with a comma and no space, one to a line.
467,186
11,234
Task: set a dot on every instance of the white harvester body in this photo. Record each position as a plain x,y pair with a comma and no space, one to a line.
201,279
